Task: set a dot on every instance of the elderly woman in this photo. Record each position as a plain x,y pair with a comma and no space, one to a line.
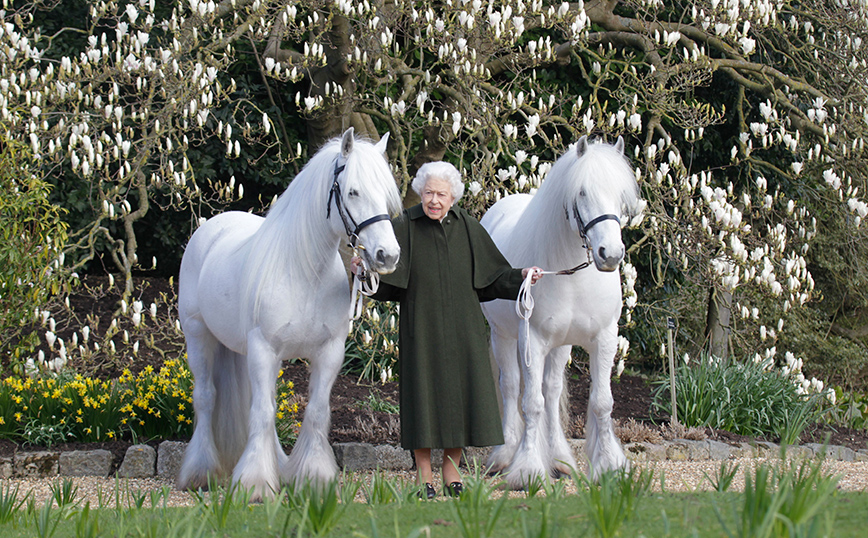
448,265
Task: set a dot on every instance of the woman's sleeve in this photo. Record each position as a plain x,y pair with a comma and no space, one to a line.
505,286
388,292
493,277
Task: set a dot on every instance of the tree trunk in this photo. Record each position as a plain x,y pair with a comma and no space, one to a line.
717,326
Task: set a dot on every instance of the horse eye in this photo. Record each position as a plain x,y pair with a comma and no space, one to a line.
353,192
582,193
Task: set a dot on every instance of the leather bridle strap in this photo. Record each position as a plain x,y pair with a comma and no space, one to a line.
350,226
600,219
583,228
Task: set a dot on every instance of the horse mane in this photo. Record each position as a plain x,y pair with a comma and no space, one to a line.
602,171
295,237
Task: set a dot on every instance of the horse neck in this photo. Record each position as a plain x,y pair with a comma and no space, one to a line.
548,239
295,241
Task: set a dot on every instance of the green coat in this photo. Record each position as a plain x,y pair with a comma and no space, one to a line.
447,391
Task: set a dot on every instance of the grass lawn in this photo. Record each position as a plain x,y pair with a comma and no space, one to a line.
655,515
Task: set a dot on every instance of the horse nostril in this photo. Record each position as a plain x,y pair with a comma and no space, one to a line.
602,252
381,257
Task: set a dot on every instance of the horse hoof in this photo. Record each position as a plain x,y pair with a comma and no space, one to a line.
198,482
557,474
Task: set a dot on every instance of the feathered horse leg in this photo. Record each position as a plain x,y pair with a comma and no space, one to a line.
504,350
562,460
201,459
529,462
602,447
312,459
257,470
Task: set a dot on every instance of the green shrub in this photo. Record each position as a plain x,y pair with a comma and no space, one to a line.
32,237
751,398
849,409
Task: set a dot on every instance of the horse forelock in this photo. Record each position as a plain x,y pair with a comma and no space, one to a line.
604,173
367,168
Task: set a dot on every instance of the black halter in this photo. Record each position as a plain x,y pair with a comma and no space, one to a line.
350,225
583,228
583,231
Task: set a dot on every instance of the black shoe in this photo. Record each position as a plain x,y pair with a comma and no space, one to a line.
454,489
427,492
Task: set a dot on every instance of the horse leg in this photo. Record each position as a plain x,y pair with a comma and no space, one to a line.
312,459
562,460
528,464
201,459
602,448
257,470
509,379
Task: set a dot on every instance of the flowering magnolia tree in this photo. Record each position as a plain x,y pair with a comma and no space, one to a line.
745,121
746,118
121,113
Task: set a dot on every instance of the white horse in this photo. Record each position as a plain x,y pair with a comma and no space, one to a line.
573,218
254,291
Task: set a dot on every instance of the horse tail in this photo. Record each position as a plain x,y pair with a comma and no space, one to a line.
564,403
231,406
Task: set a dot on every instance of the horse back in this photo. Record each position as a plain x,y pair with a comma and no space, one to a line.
215,237
211,265
501,219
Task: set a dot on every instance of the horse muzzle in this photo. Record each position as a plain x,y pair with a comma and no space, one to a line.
608,259
382,260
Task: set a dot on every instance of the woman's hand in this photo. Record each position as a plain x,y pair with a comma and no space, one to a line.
355,264
536,271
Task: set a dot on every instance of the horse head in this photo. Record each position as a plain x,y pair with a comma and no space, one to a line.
605,194
365,195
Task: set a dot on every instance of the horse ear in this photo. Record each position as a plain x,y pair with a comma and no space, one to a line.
381,145
619,145
582,145
347,143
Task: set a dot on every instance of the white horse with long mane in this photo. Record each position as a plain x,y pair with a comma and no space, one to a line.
573,218
254,291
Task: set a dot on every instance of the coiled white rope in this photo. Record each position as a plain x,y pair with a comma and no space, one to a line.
365,284
524,309
524,301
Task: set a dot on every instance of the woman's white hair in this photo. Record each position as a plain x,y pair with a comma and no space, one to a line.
439,170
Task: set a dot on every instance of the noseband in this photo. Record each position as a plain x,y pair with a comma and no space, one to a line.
350,225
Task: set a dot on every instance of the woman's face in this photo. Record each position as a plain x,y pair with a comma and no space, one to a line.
437,198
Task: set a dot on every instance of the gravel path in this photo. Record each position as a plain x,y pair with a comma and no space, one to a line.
677,477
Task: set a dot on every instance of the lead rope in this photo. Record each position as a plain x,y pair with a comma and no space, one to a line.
524,309
365,284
